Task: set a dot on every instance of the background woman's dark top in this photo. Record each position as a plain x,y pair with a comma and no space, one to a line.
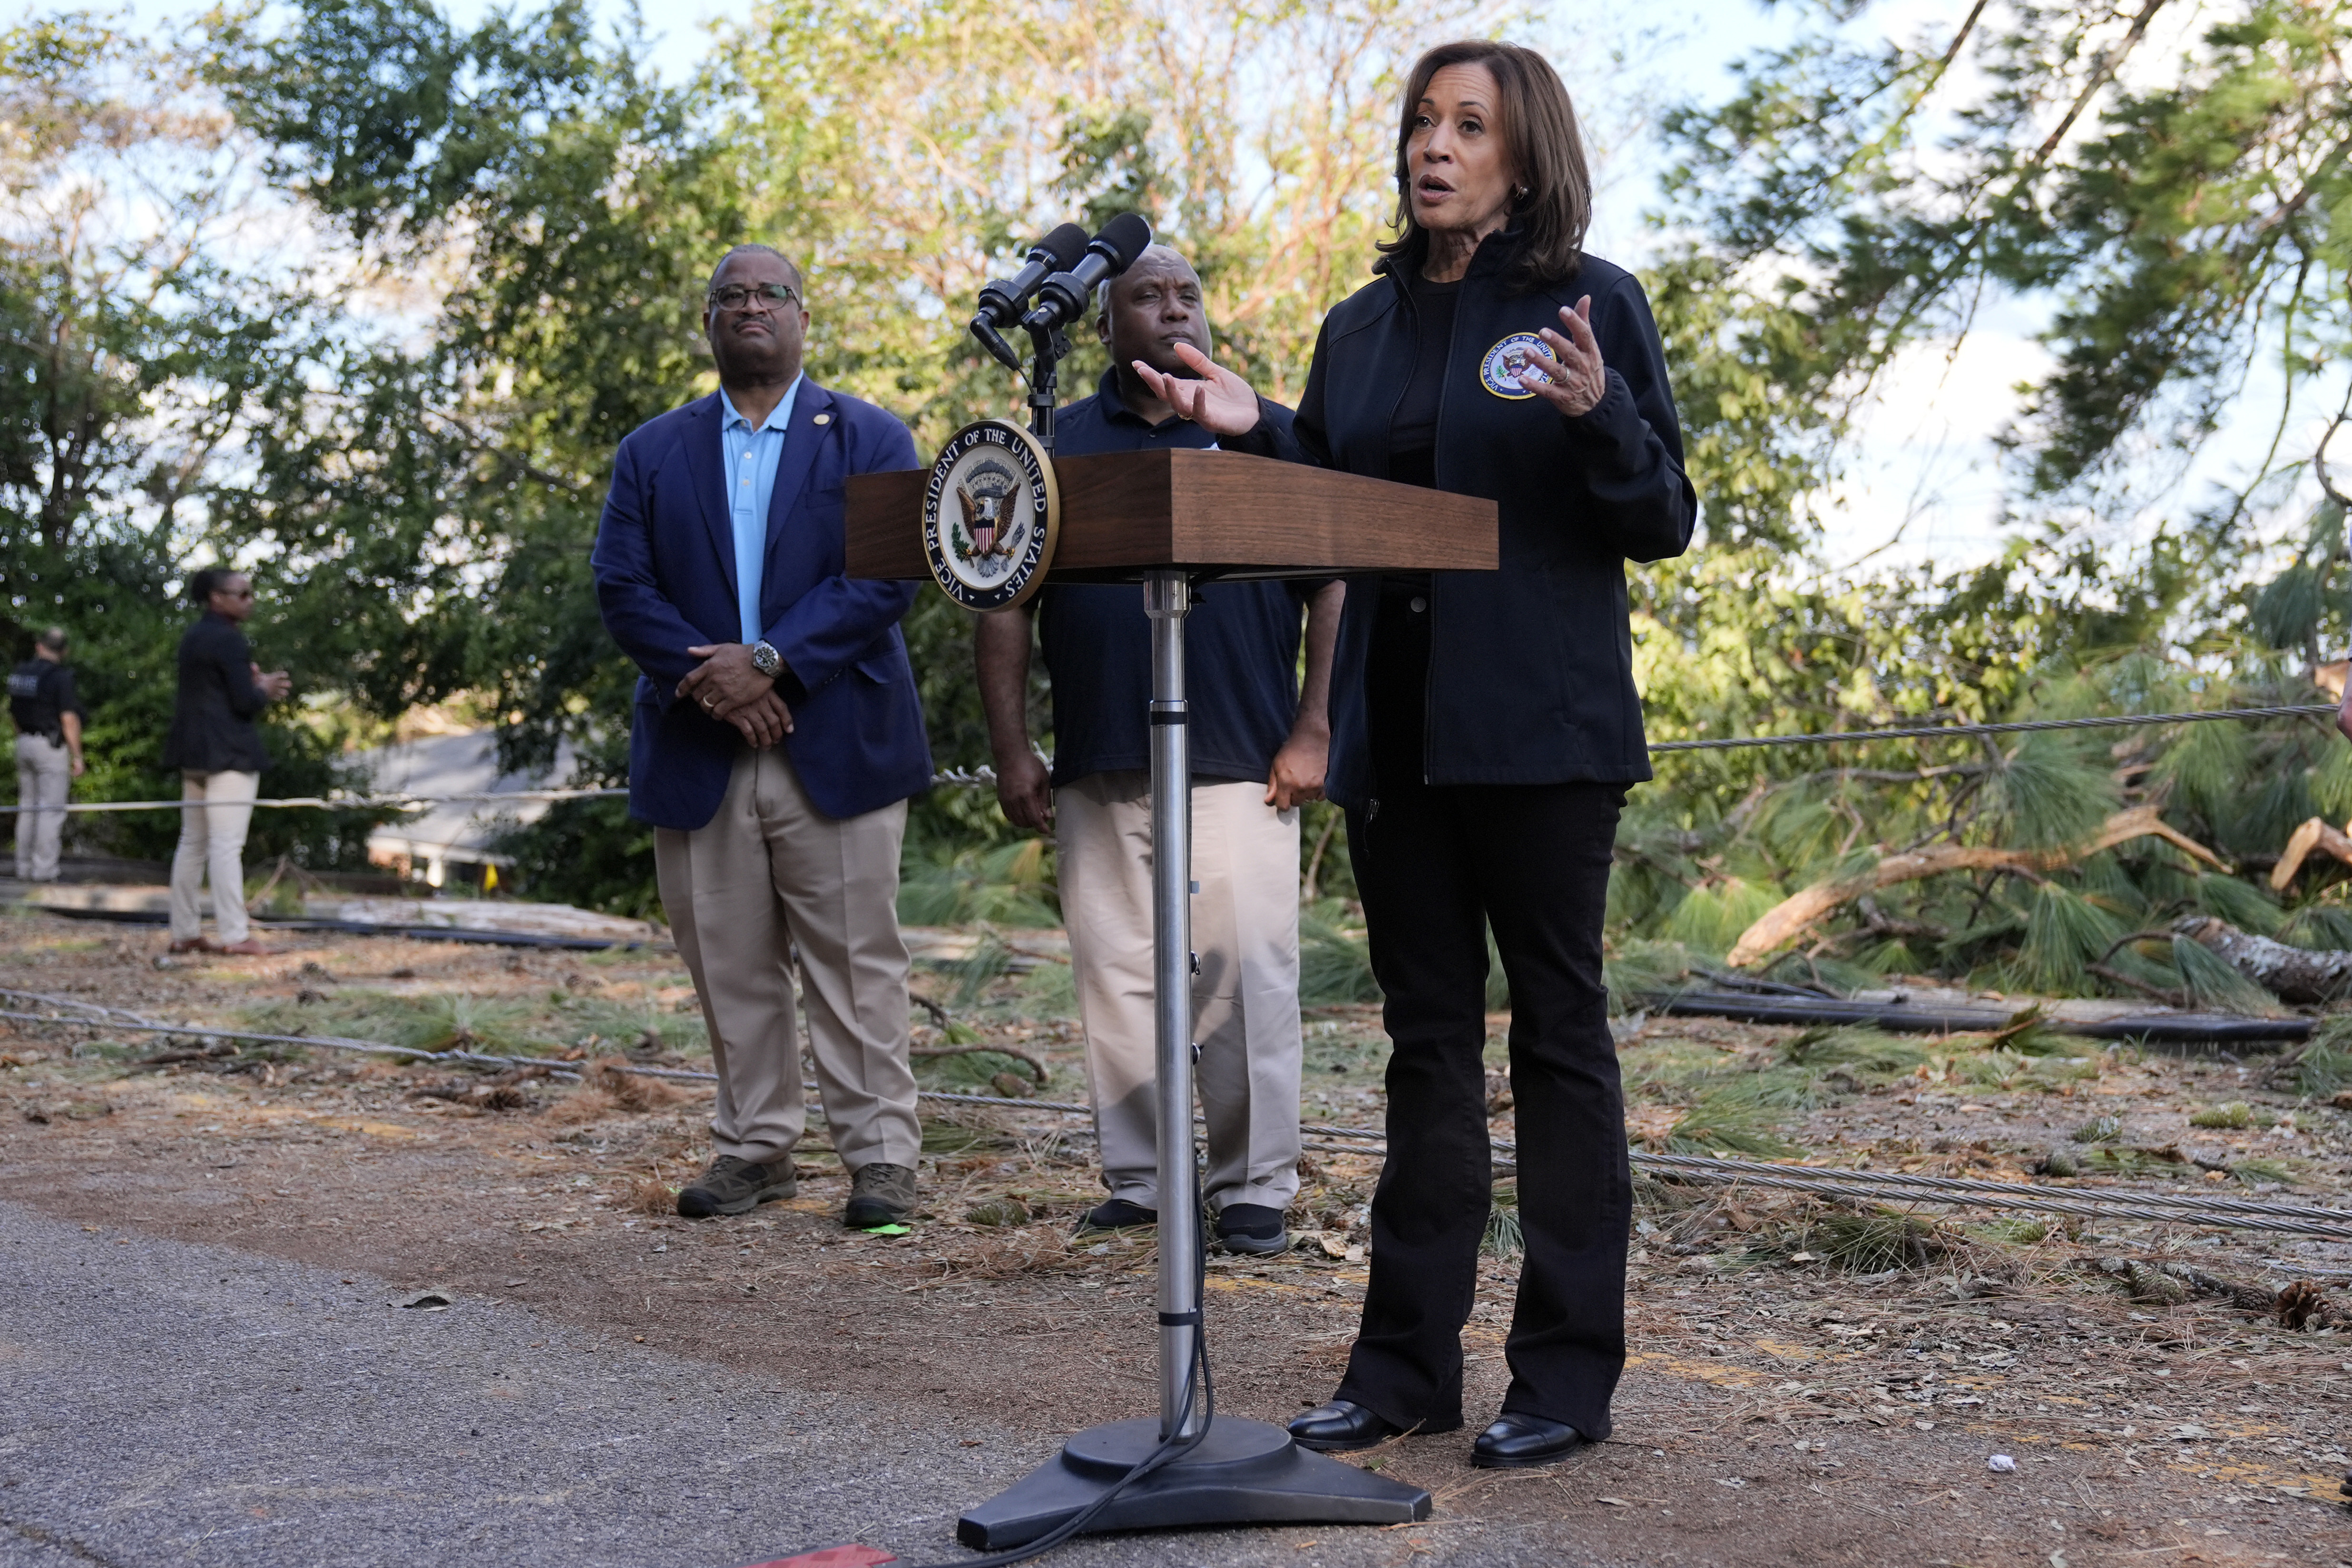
212,722
1529,668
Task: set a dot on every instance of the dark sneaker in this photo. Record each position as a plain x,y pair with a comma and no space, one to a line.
879,1194
1253,1228
1117,1214
738,1186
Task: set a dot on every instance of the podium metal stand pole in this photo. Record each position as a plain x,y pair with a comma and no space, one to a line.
1167,600
1239,1471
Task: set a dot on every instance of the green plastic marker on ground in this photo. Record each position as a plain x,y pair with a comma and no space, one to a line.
887,1230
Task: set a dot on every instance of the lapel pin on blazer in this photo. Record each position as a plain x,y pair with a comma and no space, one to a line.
822,419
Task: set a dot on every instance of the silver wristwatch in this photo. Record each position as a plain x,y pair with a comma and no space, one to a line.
767,660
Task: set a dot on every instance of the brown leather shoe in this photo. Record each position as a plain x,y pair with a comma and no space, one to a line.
250,948
194,944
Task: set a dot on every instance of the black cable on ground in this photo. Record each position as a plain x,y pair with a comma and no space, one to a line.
1171,1447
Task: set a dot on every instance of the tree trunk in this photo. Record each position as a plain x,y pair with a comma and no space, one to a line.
2291,973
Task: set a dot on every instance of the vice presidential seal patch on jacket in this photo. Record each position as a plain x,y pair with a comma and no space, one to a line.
991,516
1501,368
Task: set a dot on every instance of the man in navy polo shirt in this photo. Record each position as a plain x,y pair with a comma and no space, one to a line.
1259,741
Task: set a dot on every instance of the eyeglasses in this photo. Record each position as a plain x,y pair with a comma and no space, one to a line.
736,296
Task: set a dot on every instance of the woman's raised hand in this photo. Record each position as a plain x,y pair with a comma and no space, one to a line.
1567,373
1219,401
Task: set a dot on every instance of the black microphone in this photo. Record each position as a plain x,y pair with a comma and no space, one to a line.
1003,299
1062,297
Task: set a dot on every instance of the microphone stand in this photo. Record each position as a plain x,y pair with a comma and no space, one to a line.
1049,347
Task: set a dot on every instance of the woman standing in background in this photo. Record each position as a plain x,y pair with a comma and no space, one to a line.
218,752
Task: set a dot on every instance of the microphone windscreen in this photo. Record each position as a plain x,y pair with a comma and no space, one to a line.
1064,244
1128,234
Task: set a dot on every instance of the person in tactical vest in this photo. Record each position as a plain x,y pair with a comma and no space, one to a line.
49,752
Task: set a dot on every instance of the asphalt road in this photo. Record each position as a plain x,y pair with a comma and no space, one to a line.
161,1403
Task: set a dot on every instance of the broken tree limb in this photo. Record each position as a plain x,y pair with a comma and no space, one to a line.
2290,973
2314,836
1793,916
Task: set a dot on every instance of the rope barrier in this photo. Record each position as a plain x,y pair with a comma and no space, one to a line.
953,778
985,776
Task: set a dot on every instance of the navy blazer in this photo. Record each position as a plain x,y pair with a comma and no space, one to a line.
665,565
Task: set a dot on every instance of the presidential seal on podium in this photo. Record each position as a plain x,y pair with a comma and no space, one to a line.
991,516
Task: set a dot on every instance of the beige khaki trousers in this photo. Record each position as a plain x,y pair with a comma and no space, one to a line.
44,777
771,875
212,839
1244,1000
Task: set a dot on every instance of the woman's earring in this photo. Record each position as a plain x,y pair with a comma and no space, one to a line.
1520,193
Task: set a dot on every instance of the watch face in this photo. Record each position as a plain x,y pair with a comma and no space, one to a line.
765,658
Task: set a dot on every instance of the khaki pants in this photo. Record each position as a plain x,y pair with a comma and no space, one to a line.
212,839
1245,998
44,777
769,876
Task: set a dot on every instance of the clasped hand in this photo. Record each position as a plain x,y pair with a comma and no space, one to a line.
726,686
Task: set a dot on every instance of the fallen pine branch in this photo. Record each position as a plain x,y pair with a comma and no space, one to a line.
2169,1282
1036,1069
1793,916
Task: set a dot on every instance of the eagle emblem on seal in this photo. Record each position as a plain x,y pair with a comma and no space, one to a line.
987,529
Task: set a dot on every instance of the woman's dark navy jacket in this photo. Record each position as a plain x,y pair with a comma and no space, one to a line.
1531,667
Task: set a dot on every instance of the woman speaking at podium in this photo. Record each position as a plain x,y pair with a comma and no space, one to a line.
1484,730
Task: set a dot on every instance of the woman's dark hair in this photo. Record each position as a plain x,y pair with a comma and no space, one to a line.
1538,122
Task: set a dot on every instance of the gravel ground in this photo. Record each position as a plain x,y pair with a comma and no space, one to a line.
209,1246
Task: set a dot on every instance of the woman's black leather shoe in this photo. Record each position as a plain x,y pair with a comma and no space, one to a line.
1339,1427
1517,1442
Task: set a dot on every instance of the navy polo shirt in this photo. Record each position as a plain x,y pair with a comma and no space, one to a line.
1240,641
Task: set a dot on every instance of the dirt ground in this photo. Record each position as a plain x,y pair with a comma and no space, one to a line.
1780,1407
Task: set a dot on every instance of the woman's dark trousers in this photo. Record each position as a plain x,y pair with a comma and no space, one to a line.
1435,865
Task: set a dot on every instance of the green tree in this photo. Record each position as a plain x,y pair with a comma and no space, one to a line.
2180,223
137,356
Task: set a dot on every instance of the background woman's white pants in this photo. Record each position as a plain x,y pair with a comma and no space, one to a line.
212,839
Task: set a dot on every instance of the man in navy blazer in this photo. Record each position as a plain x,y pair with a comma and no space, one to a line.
775,738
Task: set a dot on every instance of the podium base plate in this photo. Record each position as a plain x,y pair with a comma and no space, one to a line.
1242,1472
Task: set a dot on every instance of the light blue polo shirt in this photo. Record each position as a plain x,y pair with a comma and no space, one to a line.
752,459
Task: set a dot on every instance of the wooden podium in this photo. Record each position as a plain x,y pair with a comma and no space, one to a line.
1169,520
1206,514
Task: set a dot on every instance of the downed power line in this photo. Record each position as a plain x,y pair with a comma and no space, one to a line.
2198,1209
